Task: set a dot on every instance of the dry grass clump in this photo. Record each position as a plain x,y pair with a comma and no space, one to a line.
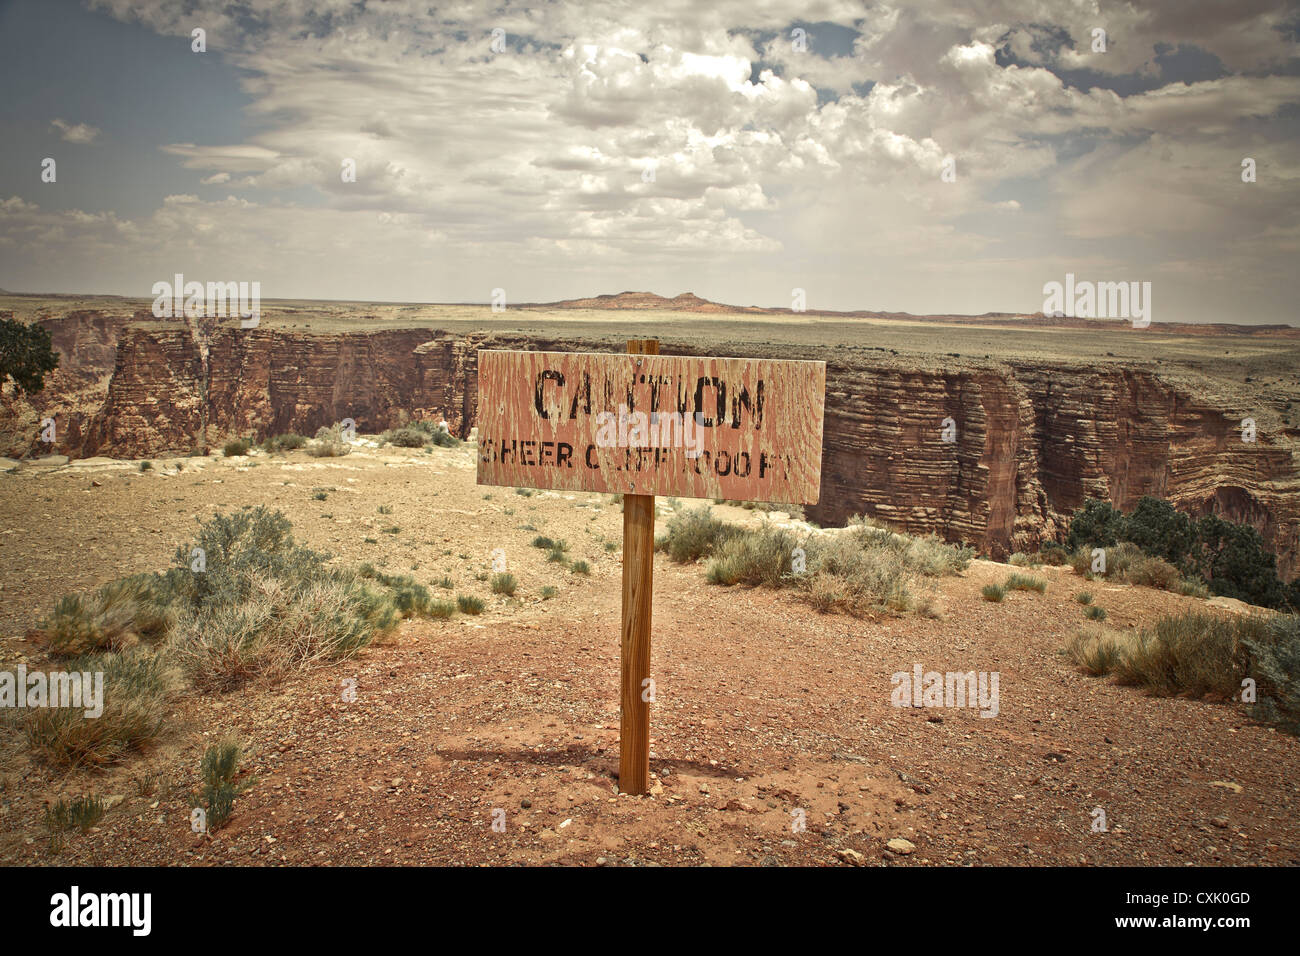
1202,655
862,570
281,627
329,443
118,615
137,686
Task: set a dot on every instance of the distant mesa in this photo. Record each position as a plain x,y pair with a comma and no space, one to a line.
686,302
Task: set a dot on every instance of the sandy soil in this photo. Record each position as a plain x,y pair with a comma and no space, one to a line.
766,712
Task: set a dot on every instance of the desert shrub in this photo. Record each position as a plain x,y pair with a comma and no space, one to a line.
137,685
1025,582
329,443
236,446
1273,652
1054,555
1095,612
993,592
441,610
282,443
436,435
866,568
468,604
543,542
1206,655
1186,654
548,592
1021,560
580,567
1152,572
63,815
446,583
405,437
1192,588
1095,649
279,627
694,534
217,771
504,584
858,573
236,548
752,557
409,598
1230,558
1083,597
118,615
557,552
934,558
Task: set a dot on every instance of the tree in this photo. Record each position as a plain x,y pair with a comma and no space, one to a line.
26,355
1158,529
1098,524
1236,564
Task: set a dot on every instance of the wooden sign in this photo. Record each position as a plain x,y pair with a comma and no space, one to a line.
733,428
645,424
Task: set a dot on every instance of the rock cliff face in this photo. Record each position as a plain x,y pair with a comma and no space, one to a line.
1027,443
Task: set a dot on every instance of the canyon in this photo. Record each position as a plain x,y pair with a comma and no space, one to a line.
1038,428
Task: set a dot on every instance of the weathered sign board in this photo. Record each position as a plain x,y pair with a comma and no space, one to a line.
641,425
692,427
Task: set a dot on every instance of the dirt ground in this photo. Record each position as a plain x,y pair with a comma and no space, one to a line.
766,712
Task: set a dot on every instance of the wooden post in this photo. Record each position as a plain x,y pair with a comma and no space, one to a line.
638,587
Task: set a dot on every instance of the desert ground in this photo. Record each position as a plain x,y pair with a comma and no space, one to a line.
764,707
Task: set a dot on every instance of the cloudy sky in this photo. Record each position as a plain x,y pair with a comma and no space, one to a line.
734,148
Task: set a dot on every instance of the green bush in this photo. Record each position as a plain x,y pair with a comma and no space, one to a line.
441,610
1273,652
694,534
1083,597
1098,524
468,604
1095,612
580,567
993,592
1025,582
217,772
436,435
237,446
1229,558
752,558
504,584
